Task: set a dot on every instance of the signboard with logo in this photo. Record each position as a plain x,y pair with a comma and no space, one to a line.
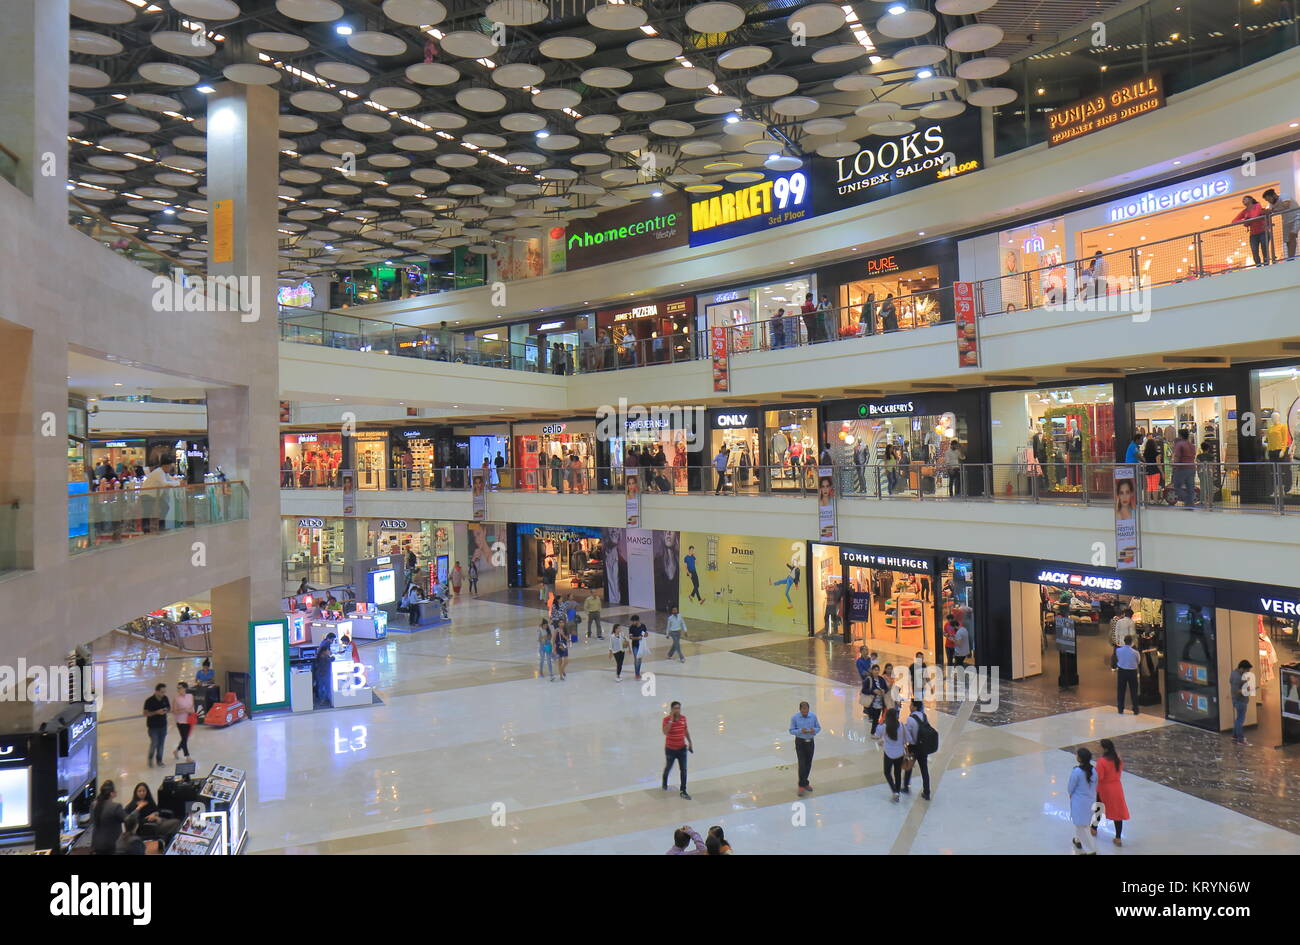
311,523
968,342
392,524
625,232
268,661
1176,385
882,167
733,419
778,199
909,562
1094,582
1169,198
718,355
1105,109
297,296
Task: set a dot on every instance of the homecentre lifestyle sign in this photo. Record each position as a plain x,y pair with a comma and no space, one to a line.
644,227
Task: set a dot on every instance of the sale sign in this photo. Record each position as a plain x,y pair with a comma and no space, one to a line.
718,354
968,342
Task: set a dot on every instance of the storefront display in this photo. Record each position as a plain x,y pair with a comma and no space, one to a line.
739,430
1275,395
647,332
747,312
1038,248
370,459
423,457
310,459
744,581
122,456
47,781
490,446
575,551
1043,438
663,446
543,453
912,276
392,536
791,448
313,549
1204,404
624,232
1264,626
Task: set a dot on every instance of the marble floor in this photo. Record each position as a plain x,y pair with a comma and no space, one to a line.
469,751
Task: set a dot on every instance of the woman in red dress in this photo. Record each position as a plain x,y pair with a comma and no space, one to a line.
1109,790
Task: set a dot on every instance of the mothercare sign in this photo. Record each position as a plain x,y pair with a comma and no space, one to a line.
644,227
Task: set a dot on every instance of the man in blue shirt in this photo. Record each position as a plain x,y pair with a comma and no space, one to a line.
689,561
1126,662
863,663
804,727
1134,452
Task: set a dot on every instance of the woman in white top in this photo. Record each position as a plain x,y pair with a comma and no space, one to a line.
893,739
618,646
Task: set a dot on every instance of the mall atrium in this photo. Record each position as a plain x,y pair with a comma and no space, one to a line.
459,397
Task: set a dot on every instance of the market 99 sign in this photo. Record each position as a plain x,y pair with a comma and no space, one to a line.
775,201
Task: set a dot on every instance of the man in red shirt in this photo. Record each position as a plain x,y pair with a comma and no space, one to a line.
808,312
677,742
1185,469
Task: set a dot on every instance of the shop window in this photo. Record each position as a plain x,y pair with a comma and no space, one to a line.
1042,440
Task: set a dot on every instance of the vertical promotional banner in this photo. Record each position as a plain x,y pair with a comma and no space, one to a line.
826,519
223,231
480,495
1127,530
349,480
268,662
1065,639
968,342
640,568
633,491
718,353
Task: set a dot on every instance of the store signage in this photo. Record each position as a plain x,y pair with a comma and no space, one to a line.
934,152
1287,608
194,454
296,296
733,421
413,434
311,523
867,559
384,560
115,445
882,265
83,726
554,429
892,409
1169,198
1035,244
392,524
629,231
1142,95
1080,580
649,423
307,438
732,296
550,326
781,199
1176,389
13,749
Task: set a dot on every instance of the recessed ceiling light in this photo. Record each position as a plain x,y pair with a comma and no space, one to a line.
657,193
897,9
343,29
732,119
920,232
543,133
925,73
205,89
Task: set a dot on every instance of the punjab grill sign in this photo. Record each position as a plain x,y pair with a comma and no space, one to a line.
1106,109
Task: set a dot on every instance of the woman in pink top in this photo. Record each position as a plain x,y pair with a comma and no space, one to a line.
183,712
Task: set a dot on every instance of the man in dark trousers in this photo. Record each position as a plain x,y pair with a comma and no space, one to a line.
916,747
677,742
1126,663
156,709
804,727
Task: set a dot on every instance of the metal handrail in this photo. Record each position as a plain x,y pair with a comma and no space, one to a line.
172,262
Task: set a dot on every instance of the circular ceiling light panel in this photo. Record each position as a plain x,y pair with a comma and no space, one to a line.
795,106
717,104
772,85
598,124
311,100
689,78
168,73
444,121
641,101
558,142
130,121
184,162
784,162
837,149
388,160
493,200
744,57
745,128
182,44
824,126
343,72
913,57
393,96
671,128
430,175
295,124
342,190
132,218
109,162
841,52
891,129
625,143
991,97
516,75
976,37
108,180
876,111
611,16
432,73
465,190
699,148
962,7
87,77
250,73
703,188
124,144
860,82
456,160
105,11
364,123
517,12
523,190
606,77
374,43
81,103
523,121
816,19
983,67
75,127
481,100
556,99
469,45
942,109
310,11
414,143
654,49
620,175
277,42
558,173
763,146
566,47
590,159
709,18
295,176
415,12
90,193
935,85
204,9
906,25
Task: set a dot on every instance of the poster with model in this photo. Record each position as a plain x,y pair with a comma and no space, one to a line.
667,570
742,581
349,481
613,546
1127,540
484,545
479,485
826,502
632,485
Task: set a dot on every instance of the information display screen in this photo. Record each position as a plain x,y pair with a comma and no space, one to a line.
269,657
15,797
383,586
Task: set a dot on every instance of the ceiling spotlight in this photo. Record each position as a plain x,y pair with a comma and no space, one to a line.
205,89
343,29
925,73
169,211
543,133
657,193
733,118
897,9
875,60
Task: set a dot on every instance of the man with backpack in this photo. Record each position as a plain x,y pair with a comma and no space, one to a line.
922,741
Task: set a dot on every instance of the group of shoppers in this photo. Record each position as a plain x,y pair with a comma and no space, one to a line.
1258,219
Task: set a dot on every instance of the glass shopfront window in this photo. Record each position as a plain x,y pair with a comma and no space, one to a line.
370,456
920,430
1276,395
310,459
1048,435
740,431
1035,246
661,449
544,455
1200,403
647,332
314,550
749,310
791,445
916,302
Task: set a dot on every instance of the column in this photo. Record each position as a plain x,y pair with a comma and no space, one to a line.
34,98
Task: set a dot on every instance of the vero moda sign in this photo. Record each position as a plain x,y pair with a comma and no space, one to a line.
646,226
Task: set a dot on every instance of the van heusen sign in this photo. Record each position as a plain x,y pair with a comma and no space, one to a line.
749,208
1178,385
1111,107
882,167
644,227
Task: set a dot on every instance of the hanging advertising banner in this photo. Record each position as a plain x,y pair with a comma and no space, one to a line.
968,341
348,479
826,520
640,568
223,231
1127,528
748,208
479,483
1141,95
718,354
632,489
883,167
1065,640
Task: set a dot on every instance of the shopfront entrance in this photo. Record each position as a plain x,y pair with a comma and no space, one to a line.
370,459
648,332
791,448
1043,439
739,429
1266,624
574,551
314,550
1204,404
544,455
749,311
662,449
310,460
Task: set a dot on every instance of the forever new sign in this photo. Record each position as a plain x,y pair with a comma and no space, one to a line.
645,227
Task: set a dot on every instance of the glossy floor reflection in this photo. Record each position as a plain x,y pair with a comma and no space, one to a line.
472,752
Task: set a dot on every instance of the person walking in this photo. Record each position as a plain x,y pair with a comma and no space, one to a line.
778,329
1126,664
834,604
889,314
720,462
636,633
922,740
472,573
1241,683
183,712
1184,459
677,742
960,645
548,580
676,627
953,460
804,727
867,319
592,608
618,647
1082,791
808,312
571,618
1110,792
457,579
872,697
545,650
893,741
156,709
693,574
561,640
